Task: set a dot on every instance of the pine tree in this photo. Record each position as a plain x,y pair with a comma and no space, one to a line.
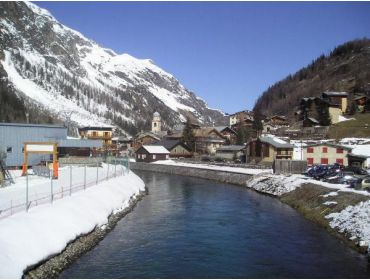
188,135
323,113
257,122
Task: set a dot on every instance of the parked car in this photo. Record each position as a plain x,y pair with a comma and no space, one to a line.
321,172
365,184
347,178
357,171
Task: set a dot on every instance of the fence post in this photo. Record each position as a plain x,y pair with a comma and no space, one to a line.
70,180
97,172
27,190
108,171
51,188
85,178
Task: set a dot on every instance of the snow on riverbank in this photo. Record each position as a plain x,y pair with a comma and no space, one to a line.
27,238
354,221
251,171
280,184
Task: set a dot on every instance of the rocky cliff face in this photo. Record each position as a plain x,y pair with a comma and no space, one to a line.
56,70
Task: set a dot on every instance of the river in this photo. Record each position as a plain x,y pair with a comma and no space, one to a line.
195,228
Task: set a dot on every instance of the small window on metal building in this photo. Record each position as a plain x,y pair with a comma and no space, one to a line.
9,149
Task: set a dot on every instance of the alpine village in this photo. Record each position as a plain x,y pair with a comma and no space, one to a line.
83,130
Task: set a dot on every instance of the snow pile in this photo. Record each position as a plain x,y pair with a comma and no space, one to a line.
280,184
343,119
330,203
28,238
354,221
330,194
251,171
275,184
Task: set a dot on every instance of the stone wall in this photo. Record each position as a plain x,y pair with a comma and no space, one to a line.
220,176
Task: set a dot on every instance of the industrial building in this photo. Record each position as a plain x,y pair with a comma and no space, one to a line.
14,135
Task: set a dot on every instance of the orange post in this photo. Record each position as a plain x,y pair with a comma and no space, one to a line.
55,170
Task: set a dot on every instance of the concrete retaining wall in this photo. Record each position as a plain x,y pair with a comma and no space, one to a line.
221,176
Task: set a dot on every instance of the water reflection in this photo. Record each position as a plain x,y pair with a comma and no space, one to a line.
193,228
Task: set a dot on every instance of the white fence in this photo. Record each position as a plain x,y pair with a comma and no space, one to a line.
32,190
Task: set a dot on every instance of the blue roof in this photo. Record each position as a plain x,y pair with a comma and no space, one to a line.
32,125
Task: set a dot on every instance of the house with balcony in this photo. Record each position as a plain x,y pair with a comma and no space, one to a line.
326,153
208,140
97,133
267,148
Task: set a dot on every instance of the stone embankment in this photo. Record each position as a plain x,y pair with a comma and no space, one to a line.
220,176
54,265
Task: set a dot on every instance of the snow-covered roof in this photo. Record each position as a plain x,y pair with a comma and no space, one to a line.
361,150
335,93
275,141
155,149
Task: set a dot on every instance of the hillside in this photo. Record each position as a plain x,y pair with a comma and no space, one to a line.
357,126
50,71
346,68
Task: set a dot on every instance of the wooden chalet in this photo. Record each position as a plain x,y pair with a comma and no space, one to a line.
150,153
144,138
177,148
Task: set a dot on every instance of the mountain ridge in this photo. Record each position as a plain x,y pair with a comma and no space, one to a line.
62,70
345,68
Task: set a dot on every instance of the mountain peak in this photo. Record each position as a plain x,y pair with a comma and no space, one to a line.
58,69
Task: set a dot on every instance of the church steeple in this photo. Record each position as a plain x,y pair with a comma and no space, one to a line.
156,123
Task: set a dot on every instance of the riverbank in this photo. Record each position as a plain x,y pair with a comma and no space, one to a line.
342,211
51,268
28,239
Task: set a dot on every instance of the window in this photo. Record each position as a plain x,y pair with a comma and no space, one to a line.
324,149
339,161
155,124
143,156
9,149
154,156
324,161
310,161
167,156
309,150
339,151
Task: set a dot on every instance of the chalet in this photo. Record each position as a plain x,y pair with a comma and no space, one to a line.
122,143
267,149
97,133
144,138
207,140
227,132
231,152
360,156
336,99
243,117
336,102
176,148
360,101
150,153
326,153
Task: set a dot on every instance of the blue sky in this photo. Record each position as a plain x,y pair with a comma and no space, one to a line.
227,53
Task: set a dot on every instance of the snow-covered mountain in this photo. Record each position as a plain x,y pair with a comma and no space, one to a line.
57,69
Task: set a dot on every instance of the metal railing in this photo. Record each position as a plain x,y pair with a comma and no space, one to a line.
119,168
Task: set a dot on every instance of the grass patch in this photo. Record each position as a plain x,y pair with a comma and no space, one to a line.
360,127
309,201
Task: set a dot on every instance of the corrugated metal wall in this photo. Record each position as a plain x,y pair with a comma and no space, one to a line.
14,135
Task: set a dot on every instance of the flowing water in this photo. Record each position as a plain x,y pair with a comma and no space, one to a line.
194,228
